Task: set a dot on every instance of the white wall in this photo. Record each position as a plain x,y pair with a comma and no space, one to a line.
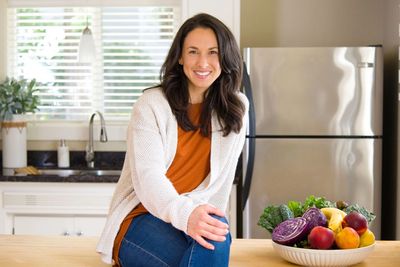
2,39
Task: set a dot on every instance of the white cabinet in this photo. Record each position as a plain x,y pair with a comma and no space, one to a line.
36,208
54,208
42,225
58,225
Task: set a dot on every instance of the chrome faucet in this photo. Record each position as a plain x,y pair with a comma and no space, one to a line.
103,138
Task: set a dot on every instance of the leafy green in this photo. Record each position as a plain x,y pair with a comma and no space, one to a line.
296,207
274,215
299,208
303,244
317,202
285,212
17,97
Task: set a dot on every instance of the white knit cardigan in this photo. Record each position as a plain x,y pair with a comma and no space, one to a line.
151,145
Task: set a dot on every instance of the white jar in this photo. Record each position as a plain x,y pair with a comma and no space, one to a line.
63,154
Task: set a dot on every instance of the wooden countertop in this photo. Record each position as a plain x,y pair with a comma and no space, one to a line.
80,251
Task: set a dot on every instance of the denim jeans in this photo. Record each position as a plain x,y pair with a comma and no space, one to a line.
152,242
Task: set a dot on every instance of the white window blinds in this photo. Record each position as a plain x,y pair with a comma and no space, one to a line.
131,45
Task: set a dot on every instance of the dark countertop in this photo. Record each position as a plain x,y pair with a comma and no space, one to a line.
48,159
61,179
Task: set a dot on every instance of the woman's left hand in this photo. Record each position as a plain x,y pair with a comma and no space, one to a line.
202,225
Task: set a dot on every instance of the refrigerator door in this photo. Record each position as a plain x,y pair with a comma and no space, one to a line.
291,169
316,90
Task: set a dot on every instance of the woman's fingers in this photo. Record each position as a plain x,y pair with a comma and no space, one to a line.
199,239
202,225
214,221
213,210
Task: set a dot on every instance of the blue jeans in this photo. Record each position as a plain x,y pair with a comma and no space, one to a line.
152,242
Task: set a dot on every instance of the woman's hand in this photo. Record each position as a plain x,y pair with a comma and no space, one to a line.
202,225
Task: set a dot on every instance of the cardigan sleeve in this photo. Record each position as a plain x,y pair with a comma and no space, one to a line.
147,146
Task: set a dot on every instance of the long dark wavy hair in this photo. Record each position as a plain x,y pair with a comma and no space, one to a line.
222,96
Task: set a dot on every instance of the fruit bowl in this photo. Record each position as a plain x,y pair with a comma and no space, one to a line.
323,258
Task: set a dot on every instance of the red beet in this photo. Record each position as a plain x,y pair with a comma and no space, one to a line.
291,231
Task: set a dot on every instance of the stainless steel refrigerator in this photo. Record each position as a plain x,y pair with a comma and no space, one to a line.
315,128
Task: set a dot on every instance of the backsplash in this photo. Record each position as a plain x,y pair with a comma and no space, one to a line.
103,160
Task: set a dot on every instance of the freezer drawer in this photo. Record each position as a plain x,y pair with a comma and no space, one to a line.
292,169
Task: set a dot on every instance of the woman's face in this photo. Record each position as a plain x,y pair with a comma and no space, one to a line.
200,61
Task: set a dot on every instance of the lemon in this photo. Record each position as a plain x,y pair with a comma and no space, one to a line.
367,238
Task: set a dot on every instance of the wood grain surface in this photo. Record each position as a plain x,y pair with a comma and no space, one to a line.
60,251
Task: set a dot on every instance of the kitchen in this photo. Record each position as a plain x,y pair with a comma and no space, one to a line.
277,23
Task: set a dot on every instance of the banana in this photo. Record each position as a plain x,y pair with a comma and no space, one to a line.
329,211
26,170
335,217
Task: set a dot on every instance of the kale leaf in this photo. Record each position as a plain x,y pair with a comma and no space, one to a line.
274,215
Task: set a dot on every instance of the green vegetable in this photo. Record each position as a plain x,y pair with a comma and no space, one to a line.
318,202
285,212
274,215
303,244
296,207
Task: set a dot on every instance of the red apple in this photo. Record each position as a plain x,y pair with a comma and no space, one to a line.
357,221
321,237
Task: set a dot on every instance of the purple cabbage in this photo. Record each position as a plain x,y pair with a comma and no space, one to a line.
291,231
315,217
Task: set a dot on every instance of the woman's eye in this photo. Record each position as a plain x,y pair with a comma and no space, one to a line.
192,52
213,52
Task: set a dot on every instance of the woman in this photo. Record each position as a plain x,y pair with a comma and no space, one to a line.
184,140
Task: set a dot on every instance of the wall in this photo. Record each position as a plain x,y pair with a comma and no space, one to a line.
2,39
311,22
339,23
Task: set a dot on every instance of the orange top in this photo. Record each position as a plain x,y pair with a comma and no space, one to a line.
189,168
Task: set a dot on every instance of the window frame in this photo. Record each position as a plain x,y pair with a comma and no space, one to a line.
77,130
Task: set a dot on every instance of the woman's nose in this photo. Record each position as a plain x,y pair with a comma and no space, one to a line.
202,60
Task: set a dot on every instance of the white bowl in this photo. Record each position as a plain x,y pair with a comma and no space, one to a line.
322,257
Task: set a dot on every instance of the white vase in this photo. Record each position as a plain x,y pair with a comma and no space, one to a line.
14,142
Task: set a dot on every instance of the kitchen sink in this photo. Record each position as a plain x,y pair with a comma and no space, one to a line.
69,172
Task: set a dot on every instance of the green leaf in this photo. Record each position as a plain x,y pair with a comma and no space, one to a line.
17,97
270,218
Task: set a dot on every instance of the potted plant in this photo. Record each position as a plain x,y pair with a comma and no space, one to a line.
17,98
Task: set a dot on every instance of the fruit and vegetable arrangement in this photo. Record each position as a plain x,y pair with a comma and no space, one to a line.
319,224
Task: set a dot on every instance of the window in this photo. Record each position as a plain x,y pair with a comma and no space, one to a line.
131,44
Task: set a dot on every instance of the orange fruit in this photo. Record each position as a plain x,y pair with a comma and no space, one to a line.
347,238
367,238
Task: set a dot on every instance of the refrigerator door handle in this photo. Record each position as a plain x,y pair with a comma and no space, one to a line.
250,137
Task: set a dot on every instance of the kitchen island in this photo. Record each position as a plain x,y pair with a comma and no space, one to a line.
60,251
